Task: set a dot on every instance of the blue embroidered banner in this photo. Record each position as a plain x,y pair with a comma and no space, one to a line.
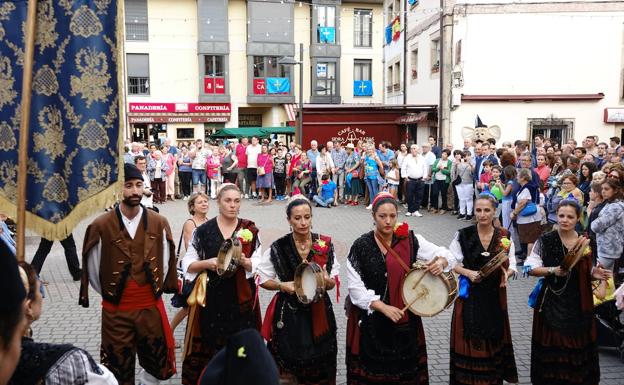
278,85
363,88
327,35
73,150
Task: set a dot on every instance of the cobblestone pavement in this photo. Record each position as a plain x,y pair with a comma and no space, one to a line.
64,321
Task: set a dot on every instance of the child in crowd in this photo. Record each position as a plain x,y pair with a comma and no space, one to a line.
496,188
393,178
326,193
486,175
213,168
279,174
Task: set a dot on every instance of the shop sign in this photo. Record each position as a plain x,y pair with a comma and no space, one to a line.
177,119
614,115
215,108
259,87
351,135
214,85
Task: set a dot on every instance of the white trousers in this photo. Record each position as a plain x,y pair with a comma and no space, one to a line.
465,193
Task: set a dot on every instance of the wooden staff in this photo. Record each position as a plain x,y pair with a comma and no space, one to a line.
24,134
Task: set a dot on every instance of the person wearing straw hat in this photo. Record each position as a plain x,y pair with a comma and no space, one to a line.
385,342
128,258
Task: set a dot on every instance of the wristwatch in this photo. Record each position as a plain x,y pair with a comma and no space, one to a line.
551,270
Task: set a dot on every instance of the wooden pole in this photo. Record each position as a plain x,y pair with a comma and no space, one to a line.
24,134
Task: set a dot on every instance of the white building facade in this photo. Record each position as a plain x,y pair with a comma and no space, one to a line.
551,67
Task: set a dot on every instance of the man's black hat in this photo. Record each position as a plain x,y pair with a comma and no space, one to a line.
131,172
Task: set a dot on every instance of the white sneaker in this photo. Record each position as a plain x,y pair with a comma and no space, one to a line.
369,207
246,196
408,214
185,198
417,213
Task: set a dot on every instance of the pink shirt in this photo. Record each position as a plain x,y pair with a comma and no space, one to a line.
266,161
241,155
213,164
171,163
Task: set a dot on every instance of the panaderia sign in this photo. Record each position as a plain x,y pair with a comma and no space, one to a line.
178,112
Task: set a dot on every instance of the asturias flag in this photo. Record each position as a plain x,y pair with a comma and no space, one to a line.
278,85
362,88
74,159
327,35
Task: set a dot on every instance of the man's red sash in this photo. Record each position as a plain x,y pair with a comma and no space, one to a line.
137,297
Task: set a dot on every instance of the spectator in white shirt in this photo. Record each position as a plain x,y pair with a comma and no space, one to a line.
415,169
252,151
430,159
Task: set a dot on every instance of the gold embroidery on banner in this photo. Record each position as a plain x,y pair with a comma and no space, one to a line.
55,189
7,93
33,169
93,135
69,161
96,176
5,9
70,113
60,55
67,4
93,84
85,23
57,216
51,141
7,137
111,117
44,82
18,52
46,25
8,176
102,6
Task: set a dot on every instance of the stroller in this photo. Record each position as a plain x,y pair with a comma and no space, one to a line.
608,318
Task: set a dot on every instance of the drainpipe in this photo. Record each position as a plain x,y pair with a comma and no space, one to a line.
440,102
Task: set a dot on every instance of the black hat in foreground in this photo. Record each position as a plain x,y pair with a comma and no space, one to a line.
11,286
244,360
131,172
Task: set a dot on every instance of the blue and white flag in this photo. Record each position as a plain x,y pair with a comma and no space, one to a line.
74,160
327,35
278,85
363,88
388,34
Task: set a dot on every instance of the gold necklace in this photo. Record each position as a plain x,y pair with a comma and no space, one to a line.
302,245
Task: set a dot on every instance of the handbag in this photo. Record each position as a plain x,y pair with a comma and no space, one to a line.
457,181
261,171
529,209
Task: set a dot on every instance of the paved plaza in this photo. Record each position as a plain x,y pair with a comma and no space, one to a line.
64,321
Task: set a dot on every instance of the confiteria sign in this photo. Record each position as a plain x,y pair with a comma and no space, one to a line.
205,108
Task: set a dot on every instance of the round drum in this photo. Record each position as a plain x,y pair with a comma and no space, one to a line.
309,282
228,258
427,294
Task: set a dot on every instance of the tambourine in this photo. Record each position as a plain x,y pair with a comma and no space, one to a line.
229,257
309,282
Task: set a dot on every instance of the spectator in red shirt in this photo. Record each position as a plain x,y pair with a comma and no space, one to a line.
486,175
241,155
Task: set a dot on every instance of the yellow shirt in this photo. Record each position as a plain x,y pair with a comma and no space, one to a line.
609,293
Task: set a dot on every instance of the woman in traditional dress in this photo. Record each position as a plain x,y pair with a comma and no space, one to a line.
563,346
385,344
230,304
302,338
481,347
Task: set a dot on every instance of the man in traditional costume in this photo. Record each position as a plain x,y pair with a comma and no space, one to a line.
128,259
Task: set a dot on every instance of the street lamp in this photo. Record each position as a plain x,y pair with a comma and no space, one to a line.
290,61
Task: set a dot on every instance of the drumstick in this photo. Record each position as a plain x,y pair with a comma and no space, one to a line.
419,296
422,276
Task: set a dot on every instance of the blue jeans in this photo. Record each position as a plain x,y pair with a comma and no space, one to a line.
323,202
199,177
373,187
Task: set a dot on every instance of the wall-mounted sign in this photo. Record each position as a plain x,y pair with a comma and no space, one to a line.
177,119
249,120
614,115
214,85
216,108
259,87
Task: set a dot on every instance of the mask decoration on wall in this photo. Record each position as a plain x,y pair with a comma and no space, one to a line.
481,131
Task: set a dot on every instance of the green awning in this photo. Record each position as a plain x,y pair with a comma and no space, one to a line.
237,132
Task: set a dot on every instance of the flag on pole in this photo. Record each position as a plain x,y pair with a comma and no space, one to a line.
75,129
278,85
396,28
